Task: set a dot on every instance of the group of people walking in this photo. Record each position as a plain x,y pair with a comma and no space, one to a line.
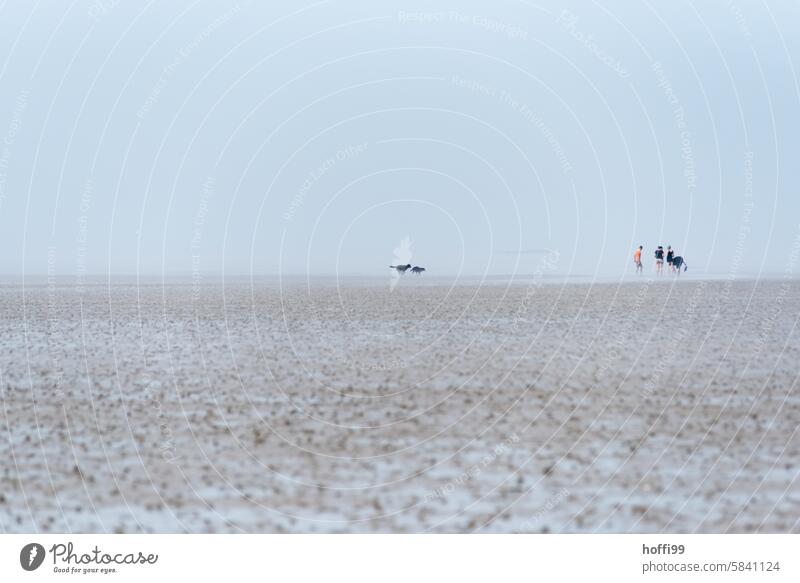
675,262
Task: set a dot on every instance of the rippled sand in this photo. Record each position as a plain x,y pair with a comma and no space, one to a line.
643,407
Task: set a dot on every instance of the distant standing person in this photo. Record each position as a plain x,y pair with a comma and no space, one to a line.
659,260
670,255
637,259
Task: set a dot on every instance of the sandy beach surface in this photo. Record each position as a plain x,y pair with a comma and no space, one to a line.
648,406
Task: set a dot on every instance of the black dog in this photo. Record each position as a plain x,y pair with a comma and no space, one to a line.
417,270
401,268
677,261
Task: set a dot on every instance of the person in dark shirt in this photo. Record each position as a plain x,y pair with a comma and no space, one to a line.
670,255
659,260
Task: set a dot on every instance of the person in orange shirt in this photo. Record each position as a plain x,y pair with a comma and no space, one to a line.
637,259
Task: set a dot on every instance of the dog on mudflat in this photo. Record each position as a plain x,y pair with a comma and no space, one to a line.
401,268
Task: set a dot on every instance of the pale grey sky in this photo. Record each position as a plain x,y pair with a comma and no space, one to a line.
316,136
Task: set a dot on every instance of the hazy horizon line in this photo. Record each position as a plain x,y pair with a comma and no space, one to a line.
742,274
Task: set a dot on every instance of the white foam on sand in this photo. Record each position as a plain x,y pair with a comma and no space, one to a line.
339,405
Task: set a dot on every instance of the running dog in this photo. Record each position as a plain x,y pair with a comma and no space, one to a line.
401,268
417,270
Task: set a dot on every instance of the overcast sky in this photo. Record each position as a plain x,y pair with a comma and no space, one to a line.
344,136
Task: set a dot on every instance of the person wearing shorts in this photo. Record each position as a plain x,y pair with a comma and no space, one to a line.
659,260
670,255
